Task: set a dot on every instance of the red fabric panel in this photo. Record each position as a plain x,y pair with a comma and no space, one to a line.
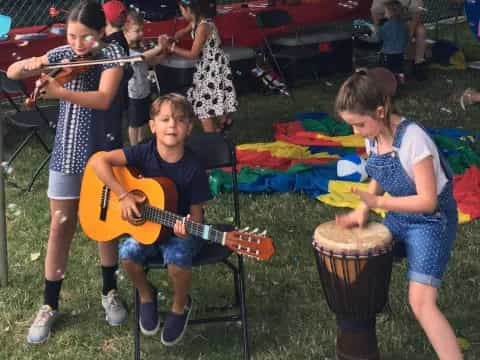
466,190
264,159
294,133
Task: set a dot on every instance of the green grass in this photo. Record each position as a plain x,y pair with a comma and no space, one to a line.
288,316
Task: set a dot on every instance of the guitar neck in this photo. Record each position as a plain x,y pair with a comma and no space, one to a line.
169,219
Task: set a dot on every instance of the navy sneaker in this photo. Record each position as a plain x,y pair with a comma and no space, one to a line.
175,325
149,323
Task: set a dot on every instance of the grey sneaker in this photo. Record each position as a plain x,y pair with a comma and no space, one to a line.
115,311
40,329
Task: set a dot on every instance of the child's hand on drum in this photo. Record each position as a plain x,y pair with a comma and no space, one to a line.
357,217
368,199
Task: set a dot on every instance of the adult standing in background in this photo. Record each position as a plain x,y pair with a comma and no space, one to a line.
417,31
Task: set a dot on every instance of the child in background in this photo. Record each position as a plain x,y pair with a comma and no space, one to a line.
212,93
394,36
94,89
416,30
422,213
139,86
165,155
115,15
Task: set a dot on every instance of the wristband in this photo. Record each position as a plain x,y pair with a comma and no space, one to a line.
172,47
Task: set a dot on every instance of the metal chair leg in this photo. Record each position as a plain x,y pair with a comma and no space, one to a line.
243,310
20,148
37,172
136,326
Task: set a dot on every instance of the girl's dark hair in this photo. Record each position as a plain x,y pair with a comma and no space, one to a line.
361,94
200,8
88,13
181,107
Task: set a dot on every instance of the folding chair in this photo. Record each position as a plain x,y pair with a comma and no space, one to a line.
215,151
32,121
285,58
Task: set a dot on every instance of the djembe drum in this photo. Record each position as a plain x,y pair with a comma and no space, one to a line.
354,267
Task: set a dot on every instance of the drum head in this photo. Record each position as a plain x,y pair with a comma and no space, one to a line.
369,239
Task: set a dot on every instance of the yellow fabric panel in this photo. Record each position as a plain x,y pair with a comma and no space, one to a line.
463,218
346,141
340,195
283,149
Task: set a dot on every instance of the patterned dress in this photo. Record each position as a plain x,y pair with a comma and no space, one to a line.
78,132
212,92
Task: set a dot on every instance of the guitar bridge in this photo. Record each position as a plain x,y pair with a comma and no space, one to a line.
104,202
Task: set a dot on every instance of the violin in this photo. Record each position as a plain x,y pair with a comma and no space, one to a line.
63,73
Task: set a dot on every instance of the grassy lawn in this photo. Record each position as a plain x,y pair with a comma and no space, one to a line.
288,315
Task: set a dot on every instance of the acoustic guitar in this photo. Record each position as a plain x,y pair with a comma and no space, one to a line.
101,219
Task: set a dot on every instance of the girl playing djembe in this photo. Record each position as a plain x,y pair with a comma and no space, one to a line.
422,214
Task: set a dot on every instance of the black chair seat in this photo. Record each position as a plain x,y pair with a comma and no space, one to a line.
31,119
211,253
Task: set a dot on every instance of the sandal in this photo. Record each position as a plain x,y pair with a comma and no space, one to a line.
467,98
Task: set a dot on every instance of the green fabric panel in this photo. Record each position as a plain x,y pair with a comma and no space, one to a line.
464,157
328,126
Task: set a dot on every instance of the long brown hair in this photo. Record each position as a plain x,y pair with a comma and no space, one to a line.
362,94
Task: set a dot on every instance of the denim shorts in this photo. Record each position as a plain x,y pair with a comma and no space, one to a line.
63,186
427,241
173,250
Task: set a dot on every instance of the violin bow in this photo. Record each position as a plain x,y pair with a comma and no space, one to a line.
121,60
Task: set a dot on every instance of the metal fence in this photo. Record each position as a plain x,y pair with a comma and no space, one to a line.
35,12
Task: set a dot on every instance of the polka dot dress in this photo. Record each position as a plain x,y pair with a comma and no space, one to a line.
212,93
75,138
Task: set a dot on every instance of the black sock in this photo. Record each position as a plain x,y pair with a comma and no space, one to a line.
52,293
109,278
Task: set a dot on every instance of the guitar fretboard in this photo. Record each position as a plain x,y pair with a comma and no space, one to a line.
169,219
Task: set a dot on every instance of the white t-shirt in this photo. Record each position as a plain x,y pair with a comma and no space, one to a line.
414,6
416,145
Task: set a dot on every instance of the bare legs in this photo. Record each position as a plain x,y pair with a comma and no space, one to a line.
224,123
62,228
423,302
181,280
420,42
137,276
136,134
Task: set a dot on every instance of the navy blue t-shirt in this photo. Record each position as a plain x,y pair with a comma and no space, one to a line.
188,174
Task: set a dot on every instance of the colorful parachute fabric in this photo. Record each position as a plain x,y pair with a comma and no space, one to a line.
304,159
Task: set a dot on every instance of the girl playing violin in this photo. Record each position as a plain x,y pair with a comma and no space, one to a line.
79,102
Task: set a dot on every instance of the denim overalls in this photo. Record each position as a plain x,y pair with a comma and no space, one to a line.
427,237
